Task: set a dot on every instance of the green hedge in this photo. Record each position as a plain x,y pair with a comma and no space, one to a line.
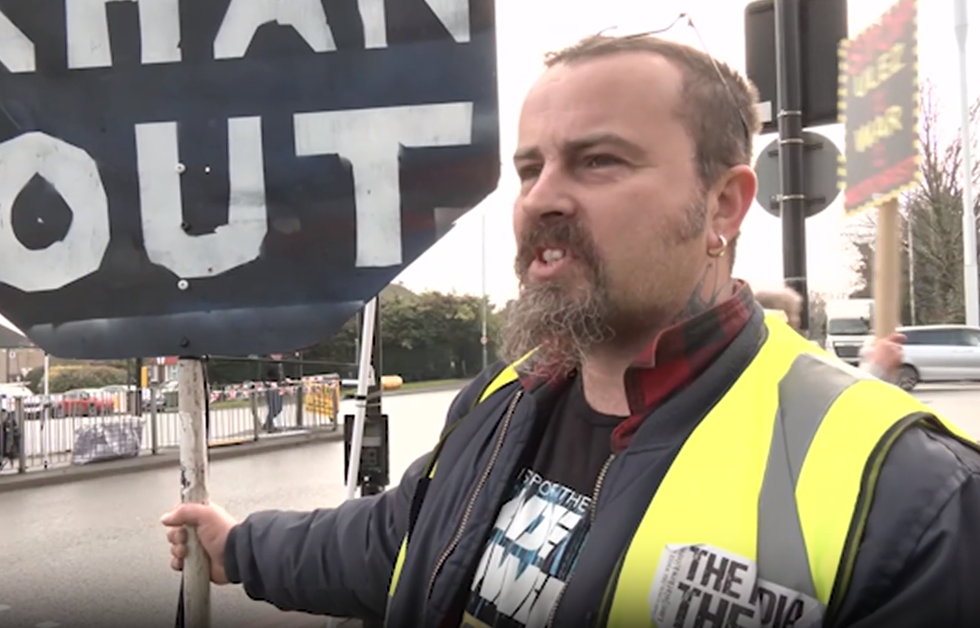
70,377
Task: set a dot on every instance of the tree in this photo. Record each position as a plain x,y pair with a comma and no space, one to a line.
435,336
863,241
933,215
425,336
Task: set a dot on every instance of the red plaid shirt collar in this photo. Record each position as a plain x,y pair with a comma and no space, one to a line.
676,357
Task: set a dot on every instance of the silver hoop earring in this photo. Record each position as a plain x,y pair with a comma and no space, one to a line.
720,251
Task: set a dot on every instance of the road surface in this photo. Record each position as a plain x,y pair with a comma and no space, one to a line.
93,553
958,402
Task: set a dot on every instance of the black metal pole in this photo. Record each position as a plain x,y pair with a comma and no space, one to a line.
374,392
792,201
138,400
359,325
373,413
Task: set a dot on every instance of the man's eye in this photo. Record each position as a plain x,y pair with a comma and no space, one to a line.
601,161
528,172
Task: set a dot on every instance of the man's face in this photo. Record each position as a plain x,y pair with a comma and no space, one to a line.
610,222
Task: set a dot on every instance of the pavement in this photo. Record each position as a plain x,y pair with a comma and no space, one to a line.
957,402
163,460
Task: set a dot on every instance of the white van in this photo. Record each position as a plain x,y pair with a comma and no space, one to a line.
850,325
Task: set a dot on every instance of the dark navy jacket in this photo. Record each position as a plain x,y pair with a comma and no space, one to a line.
918,566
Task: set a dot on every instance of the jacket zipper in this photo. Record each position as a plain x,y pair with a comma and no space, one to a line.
603,615
476,491
593,507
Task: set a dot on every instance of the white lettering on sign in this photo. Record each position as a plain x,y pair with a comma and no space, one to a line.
16,49
75,176
371,141
87,28
375,26
244,17
230,246
89,45
454,15
699,586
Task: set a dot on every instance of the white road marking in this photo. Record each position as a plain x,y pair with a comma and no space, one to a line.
47,624
4,607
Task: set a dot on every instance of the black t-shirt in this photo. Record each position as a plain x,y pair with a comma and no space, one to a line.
541,527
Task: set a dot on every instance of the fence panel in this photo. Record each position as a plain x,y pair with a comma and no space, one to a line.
85,427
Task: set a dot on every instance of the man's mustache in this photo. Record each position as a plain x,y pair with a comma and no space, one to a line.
565,234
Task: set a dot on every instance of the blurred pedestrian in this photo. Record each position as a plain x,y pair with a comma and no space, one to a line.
882,357
273,395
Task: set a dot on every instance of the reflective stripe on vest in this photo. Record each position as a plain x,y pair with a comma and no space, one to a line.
753,523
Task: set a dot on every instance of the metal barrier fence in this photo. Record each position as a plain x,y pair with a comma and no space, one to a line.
81,427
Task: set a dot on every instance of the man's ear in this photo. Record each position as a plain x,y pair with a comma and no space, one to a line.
734,193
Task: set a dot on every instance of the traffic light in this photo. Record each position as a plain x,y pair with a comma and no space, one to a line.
823,24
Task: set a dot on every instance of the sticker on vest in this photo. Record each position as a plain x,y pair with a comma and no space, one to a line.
701,586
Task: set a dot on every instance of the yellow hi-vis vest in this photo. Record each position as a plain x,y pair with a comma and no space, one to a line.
758,520
780,314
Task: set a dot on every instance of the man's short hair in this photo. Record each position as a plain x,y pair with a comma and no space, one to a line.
721,121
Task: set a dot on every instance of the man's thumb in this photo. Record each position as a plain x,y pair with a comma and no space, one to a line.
185,515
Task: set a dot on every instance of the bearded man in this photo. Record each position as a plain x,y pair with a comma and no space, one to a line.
654,450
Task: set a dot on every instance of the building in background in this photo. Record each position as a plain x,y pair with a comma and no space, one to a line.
19,355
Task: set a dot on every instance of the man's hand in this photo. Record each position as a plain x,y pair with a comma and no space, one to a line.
212,524
885,355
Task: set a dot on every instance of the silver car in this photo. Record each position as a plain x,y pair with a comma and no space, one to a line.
940,353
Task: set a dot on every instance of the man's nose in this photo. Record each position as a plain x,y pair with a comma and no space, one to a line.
548,195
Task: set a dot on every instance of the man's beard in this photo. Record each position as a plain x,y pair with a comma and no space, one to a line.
560,322
563,323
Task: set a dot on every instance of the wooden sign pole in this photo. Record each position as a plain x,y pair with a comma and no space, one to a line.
887,270
194,488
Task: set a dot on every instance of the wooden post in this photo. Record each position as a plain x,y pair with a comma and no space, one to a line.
194,488
887,270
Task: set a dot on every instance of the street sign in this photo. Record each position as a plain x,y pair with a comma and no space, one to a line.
764,111
230,176
820,185
879,91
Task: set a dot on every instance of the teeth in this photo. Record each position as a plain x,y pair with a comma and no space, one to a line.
552,255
